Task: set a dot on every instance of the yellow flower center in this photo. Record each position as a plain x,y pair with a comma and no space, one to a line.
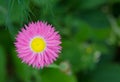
37,44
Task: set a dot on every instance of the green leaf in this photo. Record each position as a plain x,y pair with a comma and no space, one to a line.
23,72
3,11
84,32
54,66
78,28
89,4
114,1
2,65
71,54
107,73
53,75
95,18
114,25
102,47
101,33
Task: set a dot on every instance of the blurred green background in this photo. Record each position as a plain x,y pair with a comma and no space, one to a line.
90,31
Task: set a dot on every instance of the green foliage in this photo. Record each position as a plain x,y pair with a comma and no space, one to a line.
22,71
54,75
90,4
90,31
2,64
107,73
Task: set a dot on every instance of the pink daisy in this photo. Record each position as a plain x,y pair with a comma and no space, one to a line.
38,44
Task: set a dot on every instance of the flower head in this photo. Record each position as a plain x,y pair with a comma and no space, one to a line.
38,44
